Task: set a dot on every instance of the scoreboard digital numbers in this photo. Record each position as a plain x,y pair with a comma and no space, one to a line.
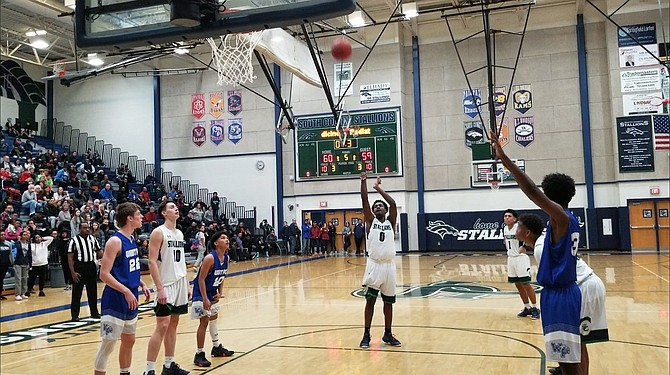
373,145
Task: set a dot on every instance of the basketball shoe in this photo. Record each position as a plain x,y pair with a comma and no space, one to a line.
220,351
534,313
174,369
365,342
525,312
390,339
200,360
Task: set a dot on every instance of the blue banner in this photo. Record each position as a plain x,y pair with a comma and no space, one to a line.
472,100
456,231
235,130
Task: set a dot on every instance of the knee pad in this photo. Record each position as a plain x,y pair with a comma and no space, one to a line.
106,349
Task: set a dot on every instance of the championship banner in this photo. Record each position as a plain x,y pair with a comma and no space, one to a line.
471,100
198,135
522,98
216,103
474,133
524,130
234,101
503,134
500,100
216,131
235,130
198,105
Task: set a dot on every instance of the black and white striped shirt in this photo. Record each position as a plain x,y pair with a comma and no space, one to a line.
84,249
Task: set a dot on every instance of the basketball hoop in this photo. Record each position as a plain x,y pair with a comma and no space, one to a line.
233,58
59,69
343,124
495,179
283,126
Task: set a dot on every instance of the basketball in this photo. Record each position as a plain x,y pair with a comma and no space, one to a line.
340,49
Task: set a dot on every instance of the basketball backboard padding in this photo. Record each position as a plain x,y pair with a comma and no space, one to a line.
122,25
481,151
289,53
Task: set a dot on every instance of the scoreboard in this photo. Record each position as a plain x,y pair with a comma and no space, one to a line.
373,145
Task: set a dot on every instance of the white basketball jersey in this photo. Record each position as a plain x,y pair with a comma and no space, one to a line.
511,243
583,271
171,263
381,242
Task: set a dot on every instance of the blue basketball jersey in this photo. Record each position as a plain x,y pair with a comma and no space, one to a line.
213,279
558,265
126,269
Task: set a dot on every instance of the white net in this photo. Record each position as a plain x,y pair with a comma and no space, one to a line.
283,126
495,179
343,125
233,58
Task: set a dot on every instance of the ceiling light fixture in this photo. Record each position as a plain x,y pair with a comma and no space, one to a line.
37,39
31,33
94,59
355,19
410,10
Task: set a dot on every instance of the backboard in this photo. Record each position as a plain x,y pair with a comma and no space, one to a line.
119,24
483,169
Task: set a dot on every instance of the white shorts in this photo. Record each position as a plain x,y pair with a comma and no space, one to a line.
197,311
111,328
593,318
177,293
380,276
518,269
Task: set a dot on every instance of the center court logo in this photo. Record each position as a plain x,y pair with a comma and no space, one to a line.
61,330
448,289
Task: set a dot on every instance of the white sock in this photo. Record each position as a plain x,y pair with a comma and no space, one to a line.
526,305
199,350
214,331
125,370
168,361
151,366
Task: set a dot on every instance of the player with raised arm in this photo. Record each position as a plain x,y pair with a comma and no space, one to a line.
207,290
168,270
380,272
593,322
561,298
120,271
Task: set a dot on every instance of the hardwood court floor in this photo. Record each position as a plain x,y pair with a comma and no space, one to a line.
454,315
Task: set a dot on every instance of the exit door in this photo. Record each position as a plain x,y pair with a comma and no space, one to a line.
649,224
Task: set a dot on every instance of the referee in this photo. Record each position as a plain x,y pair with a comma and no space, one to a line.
81,258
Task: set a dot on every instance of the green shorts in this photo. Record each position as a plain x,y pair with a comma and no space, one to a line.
168,309
373,293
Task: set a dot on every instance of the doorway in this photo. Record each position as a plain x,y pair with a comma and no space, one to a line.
649,224
338,217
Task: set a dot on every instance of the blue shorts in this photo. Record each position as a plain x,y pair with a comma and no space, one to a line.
114,303
561,308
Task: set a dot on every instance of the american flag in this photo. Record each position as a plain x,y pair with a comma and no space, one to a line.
661,132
